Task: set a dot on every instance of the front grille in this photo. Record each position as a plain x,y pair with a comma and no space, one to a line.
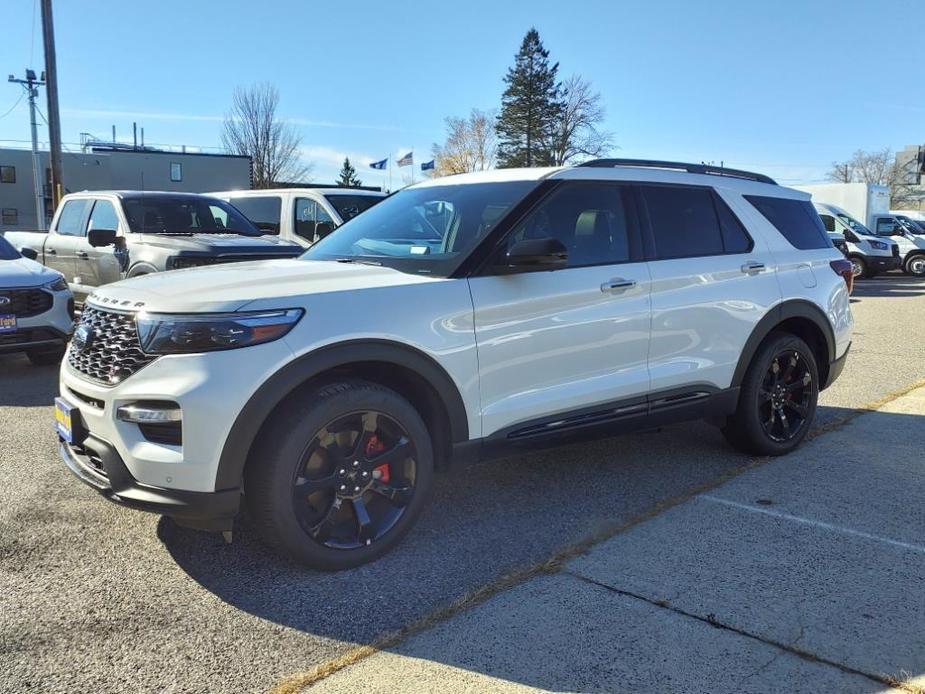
110,352
198,261
25,302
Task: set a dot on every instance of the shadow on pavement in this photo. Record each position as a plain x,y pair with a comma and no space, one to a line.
483,521
888,285
24,385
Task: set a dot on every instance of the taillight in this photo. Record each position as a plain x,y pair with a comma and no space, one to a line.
843,267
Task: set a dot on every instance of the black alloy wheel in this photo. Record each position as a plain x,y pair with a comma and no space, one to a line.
339,474
785,396
355,481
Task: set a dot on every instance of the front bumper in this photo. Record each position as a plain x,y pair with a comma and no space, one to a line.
882,263
97,464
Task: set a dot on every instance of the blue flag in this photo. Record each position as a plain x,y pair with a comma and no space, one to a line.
428,165
379,164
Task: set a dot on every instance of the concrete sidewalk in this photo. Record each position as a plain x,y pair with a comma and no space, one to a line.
804,575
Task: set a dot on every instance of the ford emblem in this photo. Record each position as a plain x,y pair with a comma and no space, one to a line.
83,338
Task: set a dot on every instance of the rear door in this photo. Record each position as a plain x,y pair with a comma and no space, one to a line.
311,221
571,339
265,211
711,284
61,244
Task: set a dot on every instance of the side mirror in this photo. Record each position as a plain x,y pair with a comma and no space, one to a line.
101,237
547,254
322,229
29,253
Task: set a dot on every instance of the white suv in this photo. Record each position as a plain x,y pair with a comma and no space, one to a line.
460,318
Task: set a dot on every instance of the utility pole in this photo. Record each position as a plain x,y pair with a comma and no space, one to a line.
31,85
54,121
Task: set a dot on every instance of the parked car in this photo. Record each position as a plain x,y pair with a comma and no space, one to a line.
301,215
869,254
102,237
909,236
861,201
461,318
36,308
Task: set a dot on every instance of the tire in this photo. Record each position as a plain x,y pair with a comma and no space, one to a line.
858,267
915,265
48,357
780,398
339,471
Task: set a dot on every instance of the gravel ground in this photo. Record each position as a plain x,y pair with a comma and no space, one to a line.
99,598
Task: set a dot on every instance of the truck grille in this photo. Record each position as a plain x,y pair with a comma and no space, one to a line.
105,347
26,302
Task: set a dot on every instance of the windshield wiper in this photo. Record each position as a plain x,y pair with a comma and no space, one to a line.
360,261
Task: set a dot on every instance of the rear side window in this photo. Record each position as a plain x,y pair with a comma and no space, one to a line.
797,220
264,212
689,222
70,222
828,221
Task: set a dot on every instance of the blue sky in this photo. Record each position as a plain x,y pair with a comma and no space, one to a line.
781,87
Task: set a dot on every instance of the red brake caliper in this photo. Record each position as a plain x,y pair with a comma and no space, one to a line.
373,448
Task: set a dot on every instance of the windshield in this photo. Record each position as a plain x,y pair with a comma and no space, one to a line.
349,206
855,225
164,214
911,225
7,252
427,230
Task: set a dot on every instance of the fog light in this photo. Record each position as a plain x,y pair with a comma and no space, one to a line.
143,413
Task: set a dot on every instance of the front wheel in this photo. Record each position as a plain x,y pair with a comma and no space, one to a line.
778,398
915,265
858,267
340,474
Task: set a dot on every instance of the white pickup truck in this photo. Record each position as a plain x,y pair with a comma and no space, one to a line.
300,215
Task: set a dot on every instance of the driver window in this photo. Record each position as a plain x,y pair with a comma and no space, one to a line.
312,222
588,218
103,216
886,226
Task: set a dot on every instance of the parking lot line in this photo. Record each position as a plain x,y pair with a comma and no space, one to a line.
299,681
813,523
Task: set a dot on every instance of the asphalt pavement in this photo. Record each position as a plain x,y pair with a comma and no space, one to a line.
100,598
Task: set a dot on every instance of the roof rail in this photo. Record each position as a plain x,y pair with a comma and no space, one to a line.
679,166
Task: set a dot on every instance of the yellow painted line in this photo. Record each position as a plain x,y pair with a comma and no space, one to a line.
300,680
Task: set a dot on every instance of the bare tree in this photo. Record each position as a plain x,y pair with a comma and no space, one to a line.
252,128
471,144
840,172
576,135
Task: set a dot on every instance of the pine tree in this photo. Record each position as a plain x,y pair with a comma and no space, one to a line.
348,176
530,107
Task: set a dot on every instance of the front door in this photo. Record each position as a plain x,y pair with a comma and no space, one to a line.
570,339
97,265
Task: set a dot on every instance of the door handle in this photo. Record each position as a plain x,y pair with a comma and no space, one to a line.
617,284
83,254
51,251
751,267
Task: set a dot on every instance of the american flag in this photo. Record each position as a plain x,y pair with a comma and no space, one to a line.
406,160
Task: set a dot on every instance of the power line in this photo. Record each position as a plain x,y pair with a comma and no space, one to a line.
21,95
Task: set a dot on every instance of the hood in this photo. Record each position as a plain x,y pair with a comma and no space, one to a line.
207,243
230,287
23,272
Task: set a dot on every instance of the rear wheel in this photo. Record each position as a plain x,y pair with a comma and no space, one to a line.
915,265
778,398
340,476
47,357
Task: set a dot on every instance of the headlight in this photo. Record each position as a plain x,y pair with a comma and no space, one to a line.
56,285
178,262
207,332
879,245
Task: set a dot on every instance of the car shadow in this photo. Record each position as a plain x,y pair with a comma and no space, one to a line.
888,285
484,521
24,385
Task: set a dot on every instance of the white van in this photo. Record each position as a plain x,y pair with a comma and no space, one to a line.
909,235
869,255
301,215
